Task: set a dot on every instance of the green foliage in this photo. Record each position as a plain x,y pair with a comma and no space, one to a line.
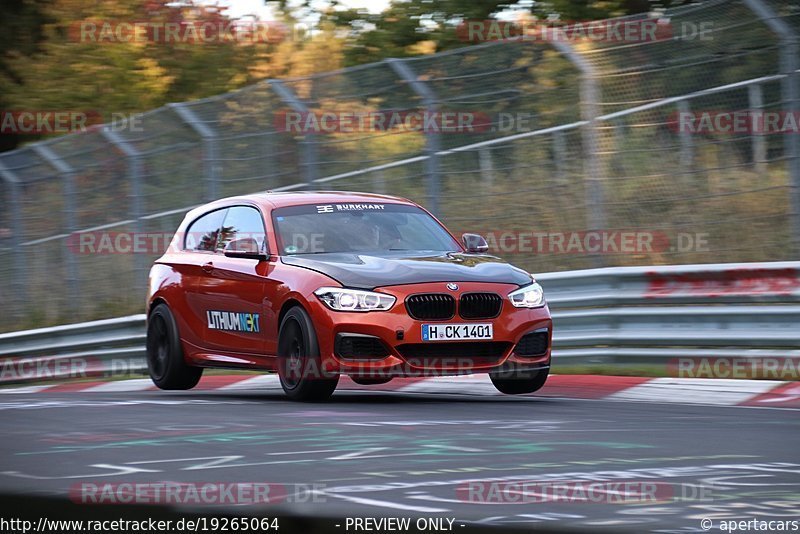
399,30
47,65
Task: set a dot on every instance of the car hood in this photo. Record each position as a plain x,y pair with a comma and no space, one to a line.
363,271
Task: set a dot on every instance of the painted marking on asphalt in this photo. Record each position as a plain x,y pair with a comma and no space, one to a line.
72,403
713,391
787,395
464,384
360,454
384,504
255,382
140,384
24,390
292,453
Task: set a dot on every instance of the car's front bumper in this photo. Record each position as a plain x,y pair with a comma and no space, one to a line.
407,354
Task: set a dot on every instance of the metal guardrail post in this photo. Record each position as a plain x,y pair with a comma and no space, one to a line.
136,198
432,140
790,88
310,160
20,282
211,167
590,97
68,186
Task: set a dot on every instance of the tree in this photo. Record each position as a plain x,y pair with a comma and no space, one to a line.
22,32
400,29
49,64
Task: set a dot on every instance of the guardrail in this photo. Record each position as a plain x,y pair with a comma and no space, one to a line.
617,315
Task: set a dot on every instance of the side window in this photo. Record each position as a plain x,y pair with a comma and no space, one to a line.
243,229
203,233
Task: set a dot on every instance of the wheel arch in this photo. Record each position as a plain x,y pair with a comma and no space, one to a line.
155,302
290,303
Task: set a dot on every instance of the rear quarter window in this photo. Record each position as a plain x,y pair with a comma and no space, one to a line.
203,233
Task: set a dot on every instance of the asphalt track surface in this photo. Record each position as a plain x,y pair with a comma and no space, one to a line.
390,454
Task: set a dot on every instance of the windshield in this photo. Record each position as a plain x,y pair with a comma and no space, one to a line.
359,228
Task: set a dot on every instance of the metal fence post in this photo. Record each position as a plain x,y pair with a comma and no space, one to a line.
270,160
759,145
70,225
20,283
379,182
211,166
790,89
589,96
136,199
432,141
560,156
618,158
308,152
487,166
687,147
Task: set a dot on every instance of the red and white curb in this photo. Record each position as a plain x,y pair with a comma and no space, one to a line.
702,391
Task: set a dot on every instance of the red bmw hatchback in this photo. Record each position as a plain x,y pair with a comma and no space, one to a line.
316,285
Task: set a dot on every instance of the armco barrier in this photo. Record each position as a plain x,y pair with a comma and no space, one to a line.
603,316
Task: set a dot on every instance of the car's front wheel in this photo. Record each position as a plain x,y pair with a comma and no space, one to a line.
300,368
519,382
165,362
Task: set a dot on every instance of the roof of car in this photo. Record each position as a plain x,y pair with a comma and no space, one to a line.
294,198
271,200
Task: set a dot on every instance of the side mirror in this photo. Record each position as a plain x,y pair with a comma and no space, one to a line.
246,247
474,243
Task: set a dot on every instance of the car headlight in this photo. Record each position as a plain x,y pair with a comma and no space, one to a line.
531,296
341,299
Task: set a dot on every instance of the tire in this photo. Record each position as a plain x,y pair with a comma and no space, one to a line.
519,382
165,362
299,364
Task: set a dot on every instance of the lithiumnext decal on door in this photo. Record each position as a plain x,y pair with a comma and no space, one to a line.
233,321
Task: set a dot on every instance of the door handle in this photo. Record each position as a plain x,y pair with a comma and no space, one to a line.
208,267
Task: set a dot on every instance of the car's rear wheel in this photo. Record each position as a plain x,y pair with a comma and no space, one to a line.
165,362
519,382
300,368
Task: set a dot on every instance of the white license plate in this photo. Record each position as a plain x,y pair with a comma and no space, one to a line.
456,332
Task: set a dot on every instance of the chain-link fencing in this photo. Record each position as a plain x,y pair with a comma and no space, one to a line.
574,153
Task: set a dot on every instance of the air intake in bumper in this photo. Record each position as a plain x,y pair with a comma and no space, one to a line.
533,343
360,347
